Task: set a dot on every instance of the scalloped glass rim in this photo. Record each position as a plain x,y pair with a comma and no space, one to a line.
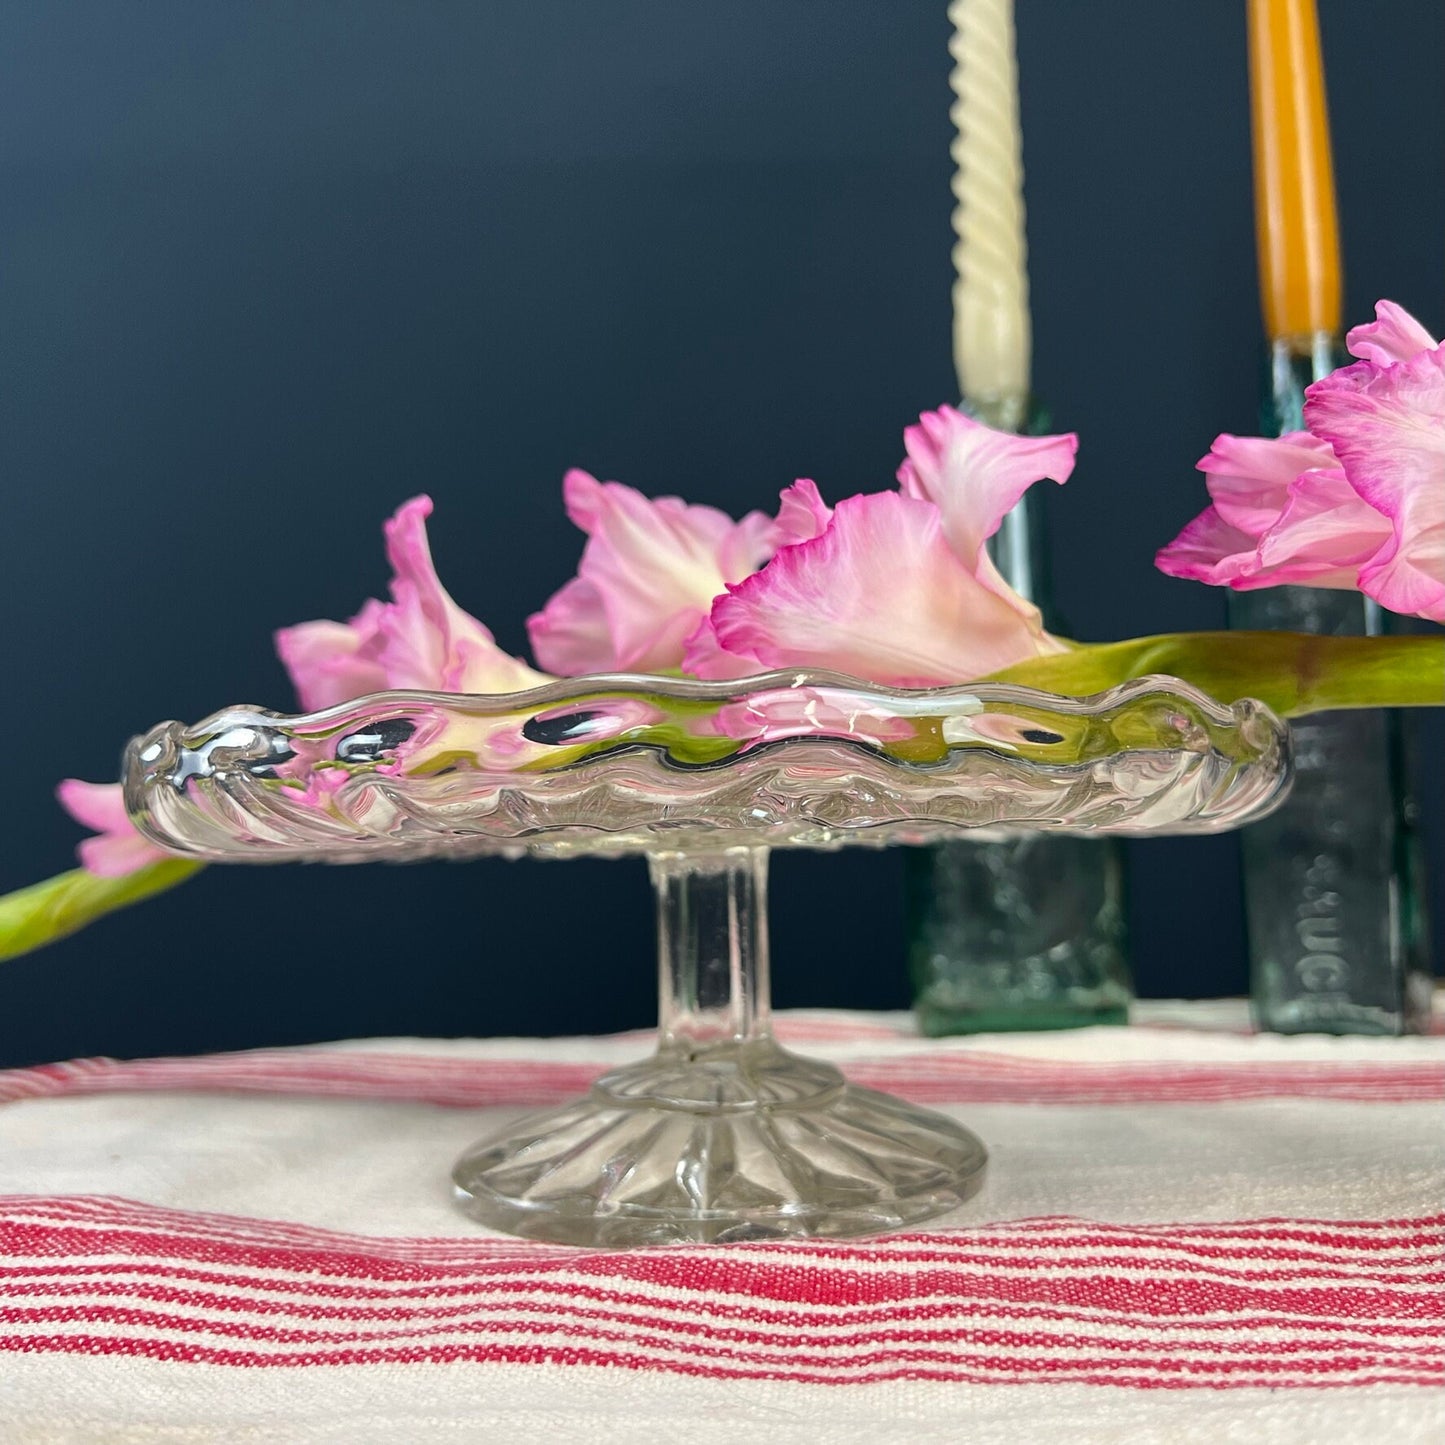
624,763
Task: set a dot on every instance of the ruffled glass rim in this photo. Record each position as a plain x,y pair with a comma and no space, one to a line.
633,763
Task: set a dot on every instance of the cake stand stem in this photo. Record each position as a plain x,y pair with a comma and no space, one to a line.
712,947
721,1135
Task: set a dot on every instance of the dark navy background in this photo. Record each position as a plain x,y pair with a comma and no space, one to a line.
266,270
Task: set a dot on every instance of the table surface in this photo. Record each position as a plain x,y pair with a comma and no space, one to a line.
1188,1232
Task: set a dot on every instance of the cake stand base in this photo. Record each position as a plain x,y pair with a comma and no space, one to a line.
737,1141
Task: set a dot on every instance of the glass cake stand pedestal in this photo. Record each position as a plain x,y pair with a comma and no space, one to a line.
722,1134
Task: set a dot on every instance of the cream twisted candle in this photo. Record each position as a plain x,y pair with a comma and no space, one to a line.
991,332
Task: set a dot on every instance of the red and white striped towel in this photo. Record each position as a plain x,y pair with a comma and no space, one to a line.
1185,1235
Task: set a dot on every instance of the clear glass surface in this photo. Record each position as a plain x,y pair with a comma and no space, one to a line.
616,765
721,1134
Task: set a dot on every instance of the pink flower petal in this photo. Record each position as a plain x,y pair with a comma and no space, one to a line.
327,661
1387,425
118,849
424,640
652,568
1319,538
802,513
112,855
975,475
99,806
751,541
1323,534
1394,335
420,639
1249,477
571,632
704,656
478,665
881,595
1209,550
585,499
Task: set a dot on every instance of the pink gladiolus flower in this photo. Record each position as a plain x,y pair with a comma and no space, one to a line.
420,639
975,475
802,515
1283,513
1358,501
1387,426
879,594
117,849
898,589
332,662
1248,478
426,640
648,575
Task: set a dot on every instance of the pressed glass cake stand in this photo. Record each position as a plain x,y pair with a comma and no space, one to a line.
722,1134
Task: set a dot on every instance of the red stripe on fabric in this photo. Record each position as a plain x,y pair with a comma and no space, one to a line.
1096,1250
974,1243
998,1303
727,1272
974,1077
1347,1243
913,1323
565,1296
1147,1296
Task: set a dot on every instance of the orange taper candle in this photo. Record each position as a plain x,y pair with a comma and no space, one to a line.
1294,183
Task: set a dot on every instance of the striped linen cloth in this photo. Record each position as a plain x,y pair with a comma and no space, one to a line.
1187,1233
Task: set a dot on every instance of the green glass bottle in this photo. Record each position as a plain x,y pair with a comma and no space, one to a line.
1024,932
1333,881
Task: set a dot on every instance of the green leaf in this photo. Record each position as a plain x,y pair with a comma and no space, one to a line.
1291,672
32,917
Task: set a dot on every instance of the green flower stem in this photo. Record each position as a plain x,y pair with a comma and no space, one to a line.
1293,673
32,917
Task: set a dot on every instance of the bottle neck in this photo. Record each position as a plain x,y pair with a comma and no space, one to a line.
1019,548
1295,362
